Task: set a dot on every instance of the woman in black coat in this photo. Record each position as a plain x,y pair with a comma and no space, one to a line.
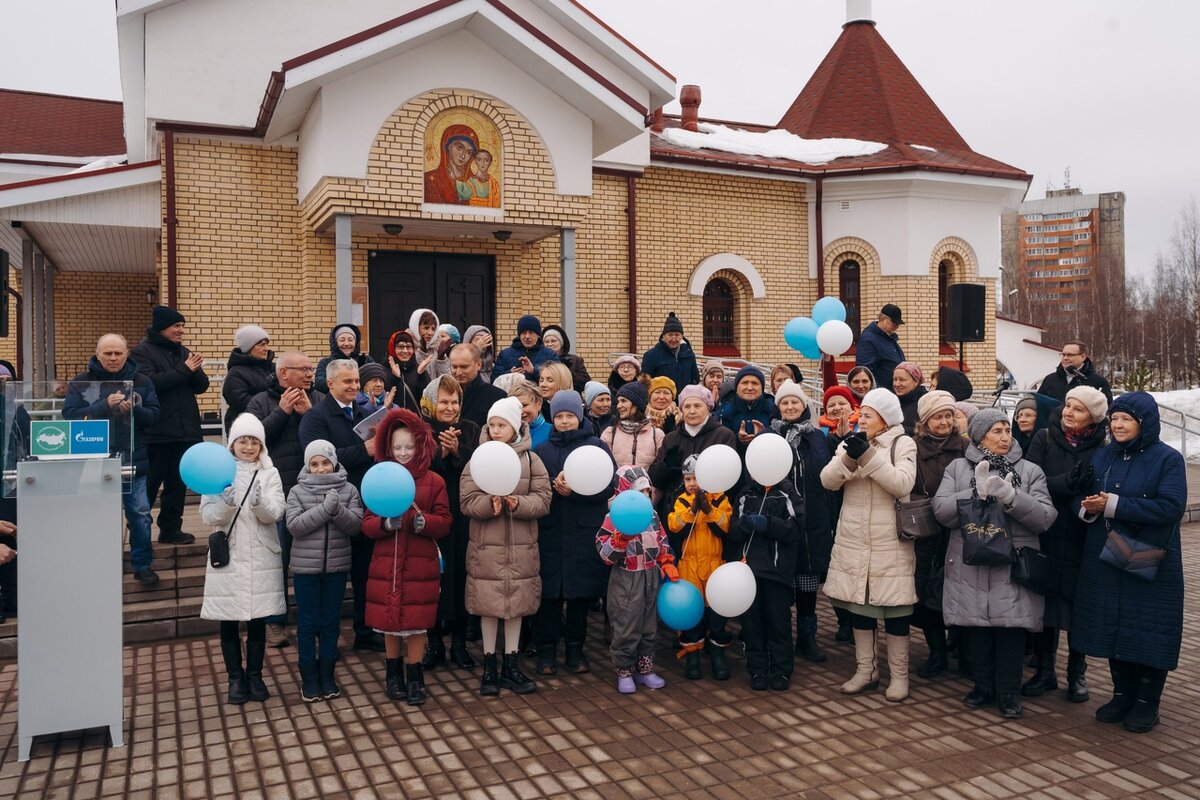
1139,491
407,378
251,369
456,440
1064,450
571,570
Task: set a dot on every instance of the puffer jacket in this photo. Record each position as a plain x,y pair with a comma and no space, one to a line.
356,355
245,377
678,445
869,564
164,363
986,597
87,398
283,430
403,580
320,542
698,536
251,585
771,554
737,412
628,449
679,364
650,549
503,565
1056,385
1117,615
510,357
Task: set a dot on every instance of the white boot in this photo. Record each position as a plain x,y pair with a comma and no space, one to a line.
866,676
897,656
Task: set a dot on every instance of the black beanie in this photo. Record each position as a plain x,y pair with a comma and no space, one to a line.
635,392
163,317
672,325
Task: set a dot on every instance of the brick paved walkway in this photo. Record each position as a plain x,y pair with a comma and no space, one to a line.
576,737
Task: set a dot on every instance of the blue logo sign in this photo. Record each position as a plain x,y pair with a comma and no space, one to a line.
89,437
78,438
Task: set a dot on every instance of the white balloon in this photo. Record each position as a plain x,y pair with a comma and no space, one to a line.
769,459
588,470
834,337
730,589
496,468
718,468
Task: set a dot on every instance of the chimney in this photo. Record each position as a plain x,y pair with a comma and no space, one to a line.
689,98
656,123
859,11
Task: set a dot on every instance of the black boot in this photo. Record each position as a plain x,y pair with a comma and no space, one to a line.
806,639
1124,676
460,657
489,684
511,676
310,685
716,658
435,653
329,686
391,680
844,632
256,652
473,631
416,684
1077,687
545,659
937,663
576,661
232,653
1045,678
1143,717
691,666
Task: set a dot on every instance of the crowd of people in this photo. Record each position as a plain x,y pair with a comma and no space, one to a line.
1084,496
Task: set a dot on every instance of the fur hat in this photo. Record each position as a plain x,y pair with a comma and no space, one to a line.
566,401
529,323
663,382
697,391
933,402
886,404
982,422
320,447
247,336
592,390
163,317
509,410
635,392
672,325
789,388
1093,399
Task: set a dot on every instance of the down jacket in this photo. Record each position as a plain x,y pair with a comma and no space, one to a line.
251,585
245,377
403,580
1117,615
320,542
986,597
164,363
283,430
452,603
87,398
633,450
771,555
503,565
869,564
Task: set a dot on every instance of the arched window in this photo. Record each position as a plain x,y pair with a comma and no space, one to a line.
850,292
720,308
944,270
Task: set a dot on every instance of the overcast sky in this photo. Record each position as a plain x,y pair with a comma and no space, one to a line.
1105,88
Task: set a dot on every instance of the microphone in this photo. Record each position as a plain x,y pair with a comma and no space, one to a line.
1000,389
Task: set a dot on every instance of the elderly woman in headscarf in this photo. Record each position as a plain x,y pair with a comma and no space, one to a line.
908,384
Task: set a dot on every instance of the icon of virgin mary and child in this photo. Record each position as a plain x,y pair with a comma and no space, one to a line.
462,177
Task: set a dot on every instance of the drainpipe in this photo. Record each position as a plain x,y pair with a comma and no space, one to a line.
631,226
828,372
20,334
171,221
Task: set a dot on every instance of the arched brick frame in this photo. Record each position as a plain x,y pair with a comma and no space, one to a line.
706,270
959,253
872,295
860,249
743,293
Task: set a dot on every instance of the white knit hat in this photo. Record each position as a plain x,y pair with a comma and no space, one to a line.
886,404
790,388
247,336
509,410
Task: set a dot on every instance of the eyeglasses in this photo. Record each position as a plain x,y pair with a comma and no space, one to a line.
1070,355
305,370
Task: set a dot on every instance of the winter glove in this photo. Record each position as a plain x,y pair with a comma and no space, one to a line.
753,523
392,524
619,541
255,495
418,522
856,445
229,496
1080,477
1000,489
982,472
332,502
702,503
670,572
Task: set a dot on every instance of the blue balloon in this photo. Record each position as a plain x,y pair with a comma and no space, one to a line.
388,489
631,512
207,468
680,605
828,308
801,334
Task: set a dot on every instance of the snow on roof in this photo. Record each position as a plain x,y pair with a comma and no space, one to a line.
770,144
924,147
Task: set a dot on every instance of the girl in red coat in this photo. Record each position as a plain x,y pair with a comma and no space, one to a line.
404,578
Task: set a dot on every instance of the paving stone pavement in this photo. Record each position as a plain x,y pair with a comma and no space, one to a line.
576,737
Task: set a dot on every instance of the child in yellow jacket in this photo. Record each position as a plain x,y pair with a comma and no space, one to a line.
697,526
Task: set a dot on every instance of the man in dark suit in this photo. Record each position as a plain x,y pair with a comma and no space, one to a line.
333,419
478,394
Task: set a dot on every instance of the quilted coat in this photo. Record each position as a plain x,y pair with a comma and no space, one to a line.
1117,615
245,377
320,542
986,597
869,564
403,580
503,565
452,603
251,585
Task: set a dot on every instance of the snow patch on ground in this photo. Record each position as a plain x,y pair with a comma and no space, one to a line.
1171,405
770,144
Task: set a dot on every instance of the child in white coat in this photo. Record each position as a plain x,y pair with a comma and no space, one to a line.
250,587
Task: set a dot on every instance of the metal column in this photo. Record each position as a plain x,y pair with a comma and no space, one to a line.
26,321
51,358
566,262
37,299
342,231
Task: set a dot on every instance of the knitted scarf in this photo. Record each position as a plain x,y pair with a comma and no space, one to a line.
1000,465
1074,437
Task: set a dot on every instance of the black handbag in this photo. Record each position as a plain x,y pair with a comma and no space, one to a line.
1129,555
219,541
1035,570
984,529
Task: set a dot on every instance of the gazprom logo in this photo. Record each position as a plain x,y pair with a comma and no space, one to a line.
82,437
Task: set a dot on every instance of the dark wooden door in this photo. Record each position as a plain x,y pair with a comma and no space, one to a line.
459,288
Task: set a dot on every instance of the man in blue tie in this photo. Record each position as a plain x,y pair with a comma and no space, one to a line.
333,419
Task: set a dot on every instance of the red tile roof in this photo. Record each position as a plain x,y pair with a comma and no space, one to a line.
57,125
861,90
